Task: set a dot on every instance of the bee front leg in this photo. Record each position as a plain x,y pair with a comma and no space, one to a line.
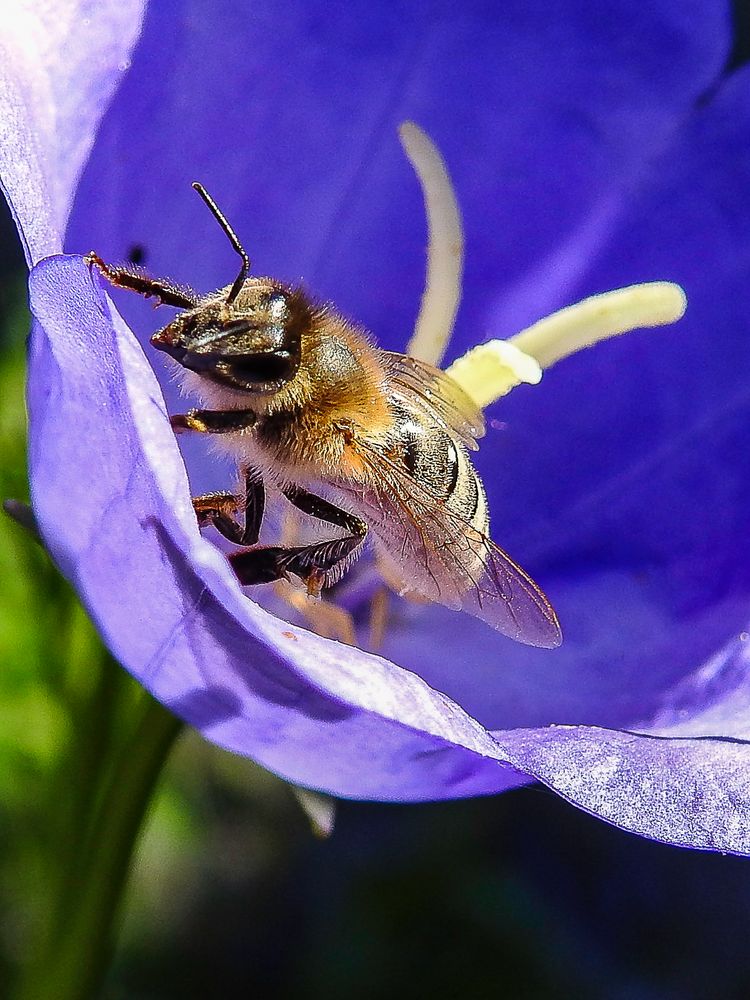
219,509
213,421
162,289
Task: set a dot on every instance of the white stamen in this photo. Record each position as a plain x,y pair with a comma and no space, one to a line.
655,303
445,247
599,317
489,370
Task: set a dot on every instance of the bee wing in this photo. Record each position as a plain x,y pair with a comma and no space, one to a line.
445,559
442,395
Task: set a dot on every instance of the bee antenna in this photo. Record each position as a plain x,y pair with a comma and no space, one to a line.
239,281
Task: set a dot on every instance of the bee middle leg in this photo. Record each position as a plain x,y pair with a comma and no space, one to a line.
314,563
220,510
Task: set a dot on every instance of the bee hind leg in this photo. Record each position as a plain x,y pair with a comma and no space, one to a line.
317,564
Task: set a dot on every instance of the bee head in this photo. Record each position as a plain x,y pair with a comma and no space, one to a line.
247,336
251,343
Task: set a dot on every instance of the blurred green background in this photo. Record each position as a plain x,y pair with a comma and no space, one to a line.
233,895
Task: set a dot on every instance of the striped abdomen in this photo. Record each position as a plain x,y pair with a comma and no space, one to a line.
439,463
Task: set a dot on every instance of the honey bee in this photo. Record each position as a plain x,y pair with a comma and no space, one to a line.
306,404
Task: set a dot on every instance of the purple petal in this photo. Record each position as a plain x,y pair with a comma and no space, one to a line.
645,534
122,528
691,793
540,117
551,174
583,130
59,66
319,713
301,150
586,153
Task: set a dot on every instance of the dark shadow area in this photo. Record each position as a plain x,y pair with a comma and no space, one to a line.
741,48
515,896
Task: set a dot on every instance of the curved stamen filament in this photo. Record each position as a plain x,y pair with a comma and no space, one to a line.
445,247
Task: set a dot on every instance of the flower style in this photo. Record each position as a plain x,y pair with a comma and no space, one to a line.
584,160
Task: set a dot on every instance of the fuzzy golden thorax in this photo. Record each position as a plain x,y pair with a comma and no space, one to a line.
312,378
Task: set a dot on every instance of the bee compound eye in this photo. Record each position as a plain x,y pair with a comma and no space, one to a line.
256,369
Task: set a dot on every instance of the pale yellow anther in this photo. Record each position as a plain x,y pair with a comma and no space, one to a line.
600,317
653,303
445,247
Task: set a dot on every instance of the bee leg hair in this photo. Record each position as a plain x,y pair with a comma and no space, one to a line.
166,291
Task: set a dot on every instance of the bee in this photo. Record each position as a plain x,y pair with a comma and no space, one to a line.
306,404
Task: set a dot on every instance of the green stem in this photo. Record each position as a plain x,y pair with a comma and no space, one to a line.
96,738
77,953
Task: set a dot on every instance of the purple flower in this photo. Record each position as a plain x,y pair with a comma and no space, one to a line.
590,149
